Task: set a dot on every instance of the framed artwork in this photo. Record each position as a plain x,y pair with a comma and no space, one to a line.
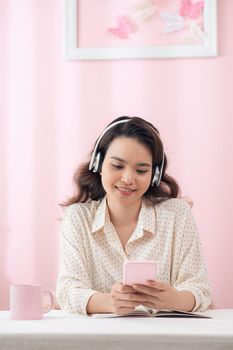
134,29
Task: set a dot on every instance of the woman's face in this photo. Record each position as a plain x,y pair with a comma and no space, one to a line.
126,170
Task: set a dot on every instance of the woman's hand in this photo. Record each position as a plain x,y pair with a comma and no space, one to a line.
160,295
124,299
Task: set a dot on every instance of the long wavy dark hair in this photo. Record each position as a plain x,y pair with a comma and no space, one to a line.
88,184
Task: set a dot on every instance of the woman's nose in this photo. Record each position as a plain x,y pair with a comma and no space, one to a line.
127,177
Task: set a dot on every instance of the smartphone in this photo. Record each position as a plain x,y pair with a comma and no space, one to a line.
139,271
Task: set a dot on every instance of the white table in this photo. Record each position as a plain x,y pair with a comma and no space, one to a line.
59,331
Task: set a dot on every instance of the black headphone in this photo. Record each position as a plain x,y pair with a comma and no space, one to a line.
96,156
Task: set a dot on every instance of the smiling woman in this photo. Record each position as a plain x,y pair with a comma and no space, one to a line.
126,174
126,208
88,176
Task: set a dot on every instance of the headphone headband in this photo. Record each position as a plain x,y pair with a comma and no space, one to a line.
95,157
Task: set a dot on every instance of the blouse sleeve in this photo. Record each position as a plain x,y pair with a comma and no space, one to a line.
190,271
73,285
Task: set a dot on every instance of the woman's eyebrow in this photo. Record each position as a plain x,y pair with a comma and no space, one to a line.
138,164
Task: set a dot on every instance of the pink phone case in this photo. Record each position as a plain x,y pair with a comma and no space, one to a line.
139,271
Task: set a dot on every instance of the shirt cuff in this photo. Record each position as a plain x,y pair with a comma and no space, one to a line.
76,300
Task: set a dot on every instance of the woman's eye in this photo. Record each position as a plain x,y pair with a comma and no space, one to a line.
140,171
116,166
119,167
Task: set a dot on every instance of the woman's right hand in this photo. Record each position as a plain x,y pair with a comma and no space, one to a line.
124,299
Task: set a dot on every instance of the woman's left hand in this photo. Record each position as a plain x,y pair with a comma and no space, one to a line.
160,295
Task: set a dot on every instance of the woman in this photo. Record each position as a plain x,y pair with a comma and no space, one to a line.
126,208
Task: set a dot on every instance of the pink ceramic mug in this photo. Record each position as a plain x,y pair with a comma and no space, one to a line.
26,301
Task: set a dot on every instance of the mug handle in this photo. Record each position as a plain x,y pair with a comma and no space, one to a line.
51,301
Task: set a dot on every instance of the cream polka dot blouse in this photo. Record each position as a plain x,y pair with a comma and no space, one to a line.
92,256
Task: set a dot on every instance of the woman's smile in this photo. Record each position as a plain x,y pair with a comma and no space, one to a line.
125,191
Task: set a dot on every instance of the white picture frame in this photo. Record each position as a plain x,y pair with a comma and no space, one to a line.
73,52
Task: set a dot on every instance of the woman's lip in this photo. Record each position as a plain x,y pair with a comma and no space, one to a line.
125,190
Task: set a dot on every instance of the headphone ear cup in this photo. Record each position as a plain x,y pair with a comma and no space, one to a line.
96,164
155,179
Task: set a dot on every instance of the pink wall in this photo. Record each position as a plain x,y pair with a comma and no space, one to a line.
51,111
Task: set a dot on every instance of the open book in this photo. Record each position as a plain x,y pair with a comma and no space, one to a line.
147,312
